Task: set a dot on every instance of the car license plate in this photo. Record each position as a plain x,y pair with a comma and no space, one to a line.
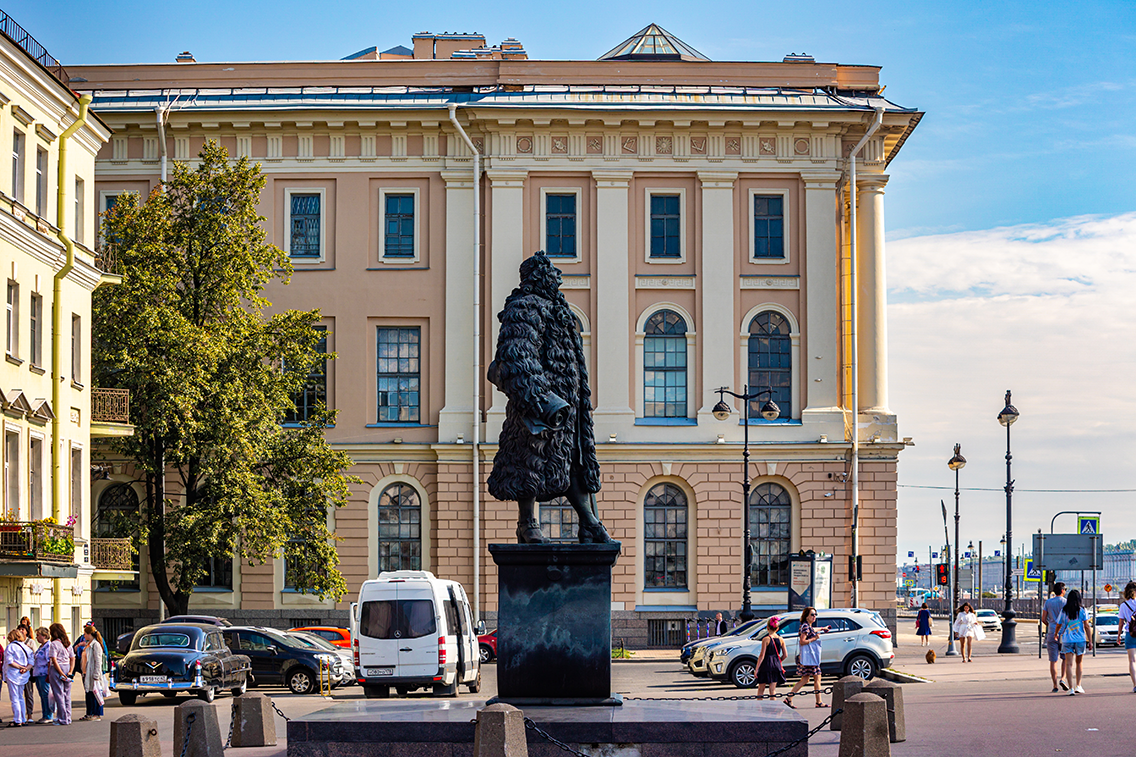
379,671
153,679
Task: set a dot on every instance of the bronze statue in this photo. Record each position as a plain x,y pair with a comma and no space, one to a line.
546,449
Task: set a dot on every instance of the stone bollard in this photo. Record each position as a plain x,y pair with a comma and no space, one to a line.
198,721
846,687
255,721
865,729
892,694
500,732
134,736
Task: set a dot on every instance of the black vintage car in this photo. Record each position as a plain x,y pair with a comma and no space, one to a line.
184,657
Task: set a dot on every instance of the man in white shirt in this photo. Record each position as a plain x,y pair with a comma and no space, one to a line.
1051,617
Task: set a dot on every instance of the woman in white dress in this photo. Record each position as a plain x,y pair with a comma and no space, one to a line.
967,629
17,673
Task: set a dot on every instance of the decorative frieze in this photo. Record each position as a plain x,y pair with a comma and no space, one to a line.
664,282
770,282
524,145
575,282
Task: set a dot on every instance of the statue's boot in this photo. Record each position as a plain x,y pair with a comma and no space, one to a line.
594,534
528,532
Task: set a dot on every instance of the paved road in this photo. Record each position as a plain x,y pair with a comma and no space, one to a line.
995,704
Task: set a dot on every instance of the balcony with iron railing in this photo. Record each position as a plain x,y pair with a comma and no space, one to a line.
112,554
110,412
36,548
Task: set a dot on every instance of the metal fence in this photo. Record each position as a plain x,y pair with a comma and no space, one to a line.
20,37
666,634
110,405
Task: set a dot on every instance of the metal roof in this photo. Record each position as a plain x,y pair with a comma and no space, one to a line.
653,42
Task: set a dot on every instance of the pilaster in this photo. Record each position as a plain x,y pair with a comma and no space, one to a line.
456,416
821,364
871,294
718,282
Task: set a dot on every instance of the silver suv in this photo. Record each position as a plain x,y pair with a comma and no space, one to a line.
857,643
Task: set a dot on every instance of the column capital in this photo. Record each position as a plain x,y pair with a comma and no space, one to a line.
873,182
457,179
499,177
826,180
612,179
717,179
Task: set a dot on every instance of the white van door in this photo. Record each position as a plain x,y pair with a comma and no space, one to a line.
461,628
418,631
375,633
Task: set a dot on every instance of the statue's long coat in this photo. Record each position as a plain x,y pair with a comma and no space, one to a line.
539,352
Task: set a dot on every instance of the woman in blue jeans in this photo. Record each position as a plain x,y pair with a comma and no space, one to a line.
1076,634
39,675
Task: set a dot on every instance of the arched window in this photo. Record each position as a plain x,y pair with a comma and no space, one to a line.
770,519
664,537
771,361
664,366
116,517
400,528
558,520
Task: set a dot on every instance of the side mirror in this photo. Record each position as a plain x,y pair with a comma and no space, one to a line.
481,628
274,650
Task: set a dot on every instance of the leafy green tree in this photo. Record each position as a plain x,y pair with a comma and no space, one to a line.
211,375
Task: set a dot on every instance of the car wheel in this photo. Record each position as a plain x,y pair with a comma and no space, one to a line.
475,687
376,692
128,698
240,689
486,654
207,695
170,694
743,674
442,690
301,681
862,666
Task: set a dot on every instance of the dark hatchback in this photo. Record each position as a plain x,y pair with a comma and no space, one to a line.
173,658
278,659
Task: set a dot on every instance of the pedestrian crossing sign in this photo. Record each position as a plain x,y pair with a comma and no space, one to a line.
1088,525
1032,573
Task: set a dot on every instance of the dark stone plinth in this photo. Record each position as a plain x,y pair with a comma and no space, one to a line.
554,623
441,728
134,736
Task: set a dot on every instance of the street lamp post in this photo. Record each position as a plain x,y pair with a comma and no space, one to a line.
769,411
1003,543
1009,643
970,557
956,463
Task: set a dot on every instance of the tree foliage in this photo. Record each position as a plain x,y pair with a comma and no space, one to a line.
211,375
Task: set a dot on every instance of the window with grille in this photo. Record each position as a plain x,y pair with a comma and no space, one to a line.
560,225
116,517
770,362
770,518
304,234
400,528
559,521
398,375
664,366
665,226
314,391
398,235
664,536
768,227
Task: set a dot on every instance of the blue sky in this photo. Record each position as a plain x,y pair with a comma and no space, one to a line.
1011,214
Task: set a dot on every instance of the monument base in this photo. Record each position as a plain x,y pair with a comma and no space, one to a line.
554,623
615,700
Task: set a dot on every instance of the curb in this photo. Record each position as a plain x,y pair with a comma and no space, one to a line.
899,676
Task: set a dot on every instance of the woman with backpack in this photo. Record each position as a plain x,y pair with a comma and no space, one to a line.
1076,635
1128,628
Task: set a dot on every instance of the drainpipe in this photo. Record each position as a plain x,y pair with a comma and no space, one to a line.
453,108
855,477
57,342
160,113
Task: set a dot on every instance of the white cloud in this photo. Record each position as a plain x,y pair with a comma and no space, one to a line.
1048,310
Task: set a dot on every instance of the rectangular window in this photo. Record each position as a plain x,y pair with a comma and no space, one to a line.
76,349
560,225
398,375
77,484
35,478
218,574
18,166
664,377
304,234
314,391
398,234
665,226
80,197
41,182
12,474
12,326
768,227
36,330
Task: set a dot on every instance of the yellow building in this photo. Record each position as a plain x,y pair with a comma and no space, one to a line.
47,233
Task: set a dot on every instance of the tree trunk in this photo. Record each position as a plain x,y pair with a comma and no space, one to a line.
176,602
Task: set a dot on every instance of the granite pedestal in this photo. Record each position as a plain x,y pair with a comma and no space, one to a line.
554,623
443,728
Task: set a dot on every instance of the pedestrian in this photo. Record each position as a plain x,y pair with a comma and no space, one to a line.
93,681
770,671
17,671
1051,616
29,688
39,675
923,626
968,629
808,655
1127,627
721,627
61,666
1076,635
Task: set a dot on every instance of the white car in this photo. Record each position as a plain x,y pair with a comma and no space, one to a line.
1106,629
989,620
699,662
857,642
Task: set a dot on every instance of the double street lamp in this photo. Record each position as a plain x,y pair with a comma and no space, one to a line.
769,411
956,463
1009,643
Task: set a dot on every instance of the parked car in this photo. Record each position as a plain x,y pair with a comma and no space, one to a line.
340,637
171,658
1106,629
989,620
699,663
410,630
319,642
123,641
487,646
857,642
278,659
690,646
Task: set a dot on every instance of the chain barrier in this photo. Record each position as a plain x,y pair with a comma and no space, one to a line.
735,698
232,724
272,702
807,736
188,729
529,724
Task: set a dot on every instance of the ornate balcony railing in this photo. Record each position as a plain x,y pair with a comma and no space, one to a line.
112,554
36,541
110,405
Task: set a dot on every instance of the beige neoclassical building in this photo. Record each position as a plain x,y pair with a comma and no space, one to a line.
700,213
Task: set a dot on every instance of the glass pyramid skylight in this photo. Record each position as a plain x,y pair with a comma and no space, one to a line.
653,42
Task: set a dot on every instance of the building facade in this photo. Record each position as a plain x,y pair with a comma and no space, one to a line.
699,211
48,222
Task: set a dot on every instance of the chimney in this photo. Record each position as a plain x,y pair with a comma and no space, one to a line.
423,46
186,57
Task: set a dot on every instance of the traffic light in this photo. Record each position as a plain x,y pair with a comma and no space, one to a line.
942,574
916,568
